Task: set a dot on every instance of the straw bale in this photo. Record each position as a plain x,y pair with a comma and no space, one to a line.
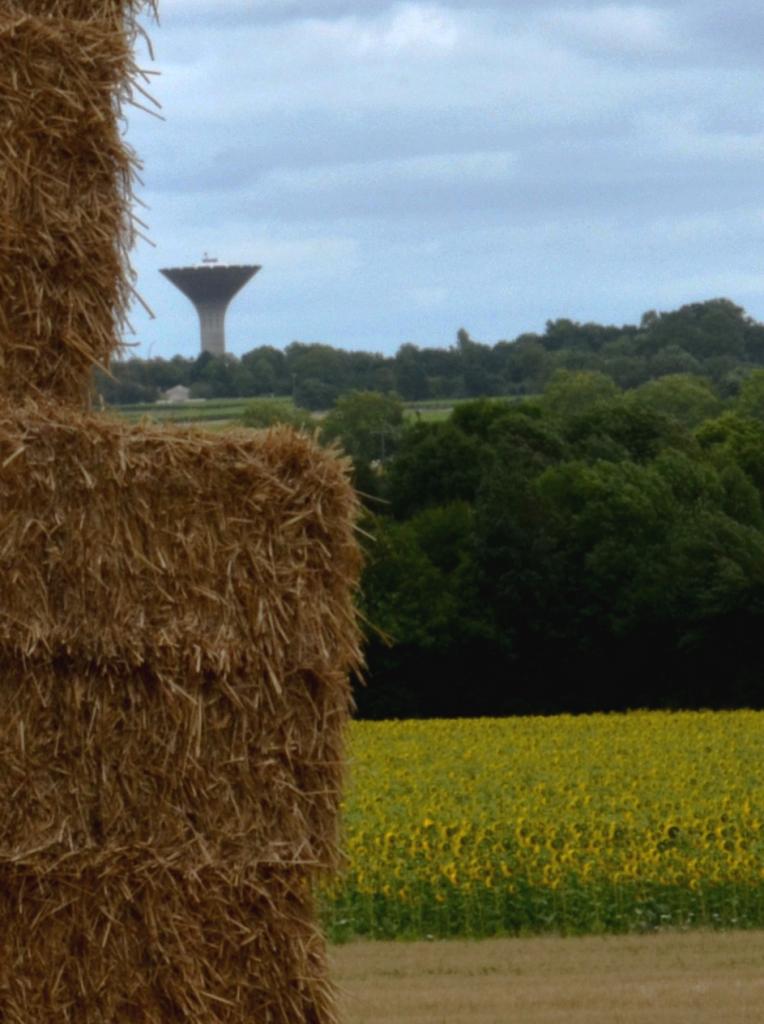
66,174
176,614
130,940
176,633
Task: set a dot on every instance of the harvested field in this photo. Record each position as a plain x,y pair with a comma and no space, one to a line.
670,978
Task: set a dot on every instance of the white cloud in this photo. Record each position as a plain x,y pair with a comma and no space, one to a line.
215,75
628,29
409,30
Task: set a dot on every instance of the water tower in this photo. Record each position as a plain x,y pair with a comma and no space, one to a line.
211,286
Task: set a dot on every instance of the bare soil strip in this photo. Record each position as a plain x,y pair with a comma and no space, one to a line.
671,978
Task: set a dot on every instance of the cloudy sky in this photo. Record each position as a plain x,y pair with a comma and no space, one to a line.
402,169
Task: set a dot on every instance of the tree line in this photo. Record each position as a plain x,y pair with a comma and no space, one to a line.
586,549
714,339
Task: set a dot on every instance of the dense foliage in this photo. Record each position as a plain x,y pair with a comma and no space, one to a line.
591,549
586,824
714,339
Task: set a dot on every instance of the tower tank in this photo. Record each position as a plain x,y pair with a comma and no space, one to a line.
211,286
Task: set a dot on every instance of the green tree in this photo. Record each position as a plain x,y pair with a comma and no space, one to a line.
681,396
737,439
570,392
477,366
703,329
410,377
526,364
268,412
628,371
622,429
435,463
411,591
214,376
367,424
263,376
479,417
750,400
419,592
268,371
673,359
314,394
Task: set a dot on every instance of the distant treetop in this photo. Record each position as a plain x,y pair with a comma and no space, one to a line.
716,340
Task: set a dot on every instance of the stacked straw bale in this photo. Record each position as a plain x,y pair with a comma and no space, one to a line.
176,617
176,630
65,184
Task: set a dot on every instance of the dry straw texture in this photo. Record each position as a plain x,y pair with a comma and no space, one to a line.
126,940
176,632
176,617
65,184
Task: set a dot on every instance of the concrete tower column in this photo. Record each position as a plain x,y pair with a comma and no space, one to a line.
212,326
211,288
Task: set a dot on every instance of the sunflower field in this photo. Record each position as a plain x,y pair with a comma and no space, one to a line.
596,823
